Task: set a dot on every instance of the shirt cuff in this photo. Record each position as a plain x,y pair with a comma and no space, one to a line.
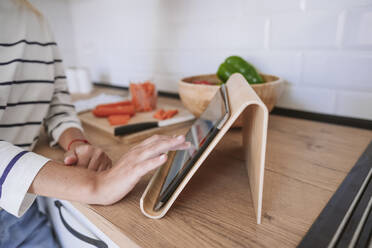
56,134
15,199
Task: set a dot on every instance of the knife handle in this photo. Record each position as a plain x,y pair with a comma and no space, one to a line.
133,128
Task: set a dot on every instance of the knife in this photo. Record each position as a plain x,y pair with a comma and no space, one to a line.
137,127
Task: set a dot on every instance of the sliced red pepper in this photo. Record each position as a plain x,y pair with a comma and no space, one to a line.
202,82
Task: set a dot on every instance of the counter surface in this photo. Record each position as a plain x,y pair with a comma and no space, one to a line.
305,163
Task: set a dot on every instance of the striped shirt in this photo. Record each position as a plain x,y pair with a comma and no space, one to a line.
33,93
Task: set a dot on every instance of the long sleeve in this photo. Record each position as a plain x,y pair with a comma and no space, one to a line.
32,91
61,114
18,168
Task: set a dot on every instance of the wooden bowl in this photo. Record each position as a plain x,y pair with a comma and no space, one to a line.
196,97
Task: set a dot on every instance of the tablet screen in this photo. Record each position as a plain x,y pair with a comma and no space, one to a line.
200,134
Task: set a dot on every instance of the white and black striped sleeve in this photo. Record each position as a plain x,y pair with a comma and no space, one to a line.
18,168
61,114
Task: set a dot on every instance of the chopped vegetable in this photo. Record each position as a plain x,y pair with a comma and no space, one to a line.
170,113
115,104
118,119
161,114
203,82
118,110
144,96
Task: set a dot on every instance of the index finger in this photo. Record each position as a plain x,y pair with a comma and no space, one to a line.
162,146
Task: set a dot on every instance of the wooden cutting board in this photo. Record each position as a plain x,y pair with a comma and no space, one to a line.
103,125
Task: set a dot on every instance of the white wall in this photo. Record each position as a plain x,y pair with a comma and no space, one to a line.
323,48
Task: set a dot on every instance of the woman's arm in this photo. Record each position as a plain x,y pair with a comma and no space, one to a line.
66,182
70,135
109,186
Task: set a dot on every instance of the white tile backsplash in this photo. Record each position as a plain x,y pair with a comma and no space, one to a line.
335,4
354,104
286,64
323,49
281,6
358,28
338,70
241,32
196,10
308,99
304,30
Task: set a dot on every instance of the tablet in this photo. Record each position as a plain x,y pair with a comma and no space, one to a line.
200,135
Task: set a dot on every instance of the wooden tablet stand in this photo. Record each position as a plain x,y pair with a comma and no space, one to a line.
243,100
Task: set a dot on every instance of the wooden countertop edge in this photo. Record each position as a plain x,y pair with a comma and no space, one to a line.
110,230
119,236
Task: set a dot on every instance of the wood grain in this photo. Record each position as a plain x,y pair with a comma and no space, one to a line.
305,163
242,101
103,125
196,97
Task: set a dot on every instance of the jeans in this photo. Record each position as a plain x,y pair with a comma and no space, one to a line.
31,230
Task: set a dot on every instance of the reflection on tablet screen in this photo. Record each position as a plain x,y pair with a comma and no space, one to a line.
200,135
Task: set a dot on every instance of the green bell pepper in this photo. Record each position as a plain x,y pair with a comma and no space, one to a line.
235,64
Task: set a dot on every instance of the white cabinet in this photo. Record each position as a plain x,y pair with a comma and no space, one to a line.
72,228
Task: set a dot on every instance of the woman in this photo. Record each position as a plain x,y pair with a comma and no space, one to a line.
33,92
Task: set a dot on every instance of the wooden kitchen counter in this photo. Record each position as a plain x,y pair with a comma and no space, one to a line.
305,163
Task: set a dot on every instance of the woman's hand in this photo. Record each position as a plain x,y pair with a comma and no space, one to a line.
82,154
113,184
87,156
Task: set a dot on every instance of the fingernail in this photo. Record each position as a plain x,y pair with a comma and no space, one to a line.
163,156
180,137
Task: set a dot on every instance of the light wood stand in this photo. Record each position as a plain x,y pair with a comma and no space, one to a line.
243,100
